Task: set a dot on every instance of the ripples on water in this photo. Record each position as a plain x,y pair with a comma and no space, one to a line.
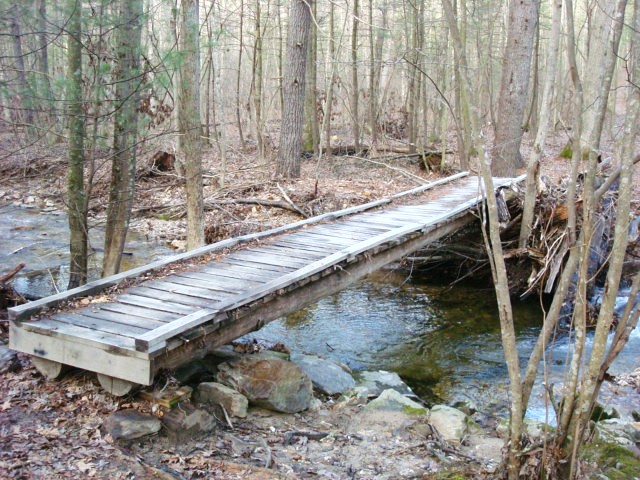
444,342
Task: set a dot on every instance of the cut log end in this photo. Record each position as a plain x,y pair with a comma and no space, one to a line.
115,386
48,368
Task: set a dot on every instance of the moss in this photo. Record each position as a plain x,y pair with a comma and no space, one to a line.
409,410
614,461
165,217
566,152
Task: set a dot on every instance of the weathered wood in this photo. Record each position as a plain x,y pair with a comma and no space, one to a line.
237,293
259,314
74,351
153,304
115,386
162,295
171,287
102,325
27,310
48,368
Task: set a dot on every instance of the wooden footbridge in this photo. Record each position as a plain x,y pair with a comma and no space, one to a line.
165,313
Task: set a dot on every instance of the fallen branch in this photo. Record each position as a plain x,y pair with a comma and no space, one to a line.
8,276
418,179
290,202
210,204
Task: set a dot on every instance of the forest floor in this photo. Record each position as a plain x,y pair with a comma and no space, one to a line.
52,429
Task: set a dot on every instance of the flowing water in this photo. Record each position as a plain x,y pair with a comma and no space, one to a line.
444,342
41,241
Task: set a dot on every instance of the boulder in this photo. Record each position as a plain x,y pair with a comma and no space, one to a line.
129,424
271,383
372,384
391,400
234,403
616,431
451,423
326,376
188,422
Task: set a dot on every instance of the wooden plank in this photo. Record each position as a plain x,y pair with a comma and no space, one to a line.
120,318
221,291
84,335
257,267
348,224
321,238
290,252
162,295
344,233
184,290
139,312
216,279
133,366
233,272
154,304
307,245
101,324
267,259
169,330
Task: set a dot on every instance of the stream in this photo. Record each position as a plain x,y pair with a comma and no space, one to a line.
444,342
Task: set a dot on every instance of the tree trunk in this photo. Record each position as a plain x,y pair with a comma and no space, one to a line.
43,63
312,129
125,132
75,178
294,87
239,76
25,103
257,81
523,16
189,121
355,94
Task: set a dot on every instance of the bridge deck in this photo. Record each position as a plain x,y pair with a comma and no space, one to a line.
205,303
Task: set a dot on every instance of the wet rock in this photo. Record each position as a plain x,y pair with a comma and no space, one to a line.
451,423
234,403
129,424
268,382
188,422
391,400
372,384
8,359
326,376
